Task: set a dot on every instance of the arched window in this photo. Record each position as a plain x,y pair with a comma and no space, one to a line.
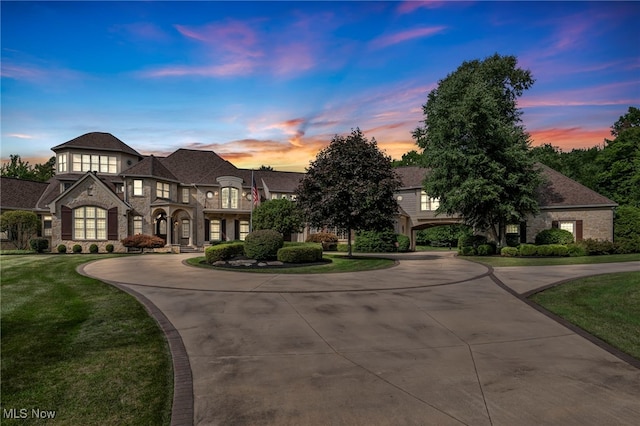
89,223
229,197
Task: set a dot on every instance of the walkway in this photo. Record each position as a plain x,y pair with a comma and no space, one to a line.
433,340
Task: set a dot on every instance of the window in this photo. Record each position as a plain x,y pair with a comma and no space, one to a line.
427,203
185,195
137,225
568,225
214,230
229,197
90,223
62,163
274,196
513,229
185,228
137,187
98,163
46,226
162,190
244,229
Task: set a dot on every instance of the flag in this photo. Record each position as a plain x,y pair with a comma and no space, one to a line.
267,194
254,193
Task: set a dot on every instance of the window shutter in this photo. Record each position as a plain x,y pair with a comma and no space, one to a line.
66,222
236,230
207,230
555,224
523,232
112,224
578,230
223,229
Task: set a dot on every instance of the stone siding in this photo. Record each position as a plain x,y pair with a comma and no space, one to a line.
596,223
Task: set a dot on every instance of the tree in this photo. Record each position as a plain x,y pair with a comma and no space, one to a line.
619,165
477,151
627,121
20,226
266,168
411,158
350,186
281,215
16,168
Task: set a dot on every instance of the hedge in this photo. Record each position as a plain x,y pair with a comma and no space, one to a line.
263,244
39,244
300,254
375,242
485,250
467,251
143,241
527,250
554,236
509,251
404,243
223,252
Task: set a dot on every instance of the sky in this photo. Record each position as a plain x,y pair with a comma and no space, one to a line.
271,83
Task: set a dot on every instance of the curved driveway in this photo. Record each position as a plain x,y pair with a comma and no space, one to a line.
433,340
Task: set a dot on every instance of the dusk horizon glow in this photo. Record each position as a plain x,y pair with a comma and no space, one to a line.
271,83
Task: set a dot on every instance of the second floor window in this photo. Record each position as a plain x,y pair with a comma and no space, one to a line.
62,163
185,195
162,190
229,198
97,163
427,203
137,187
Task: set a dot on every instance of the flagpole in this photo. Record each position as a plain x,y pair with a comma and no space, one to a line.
253,202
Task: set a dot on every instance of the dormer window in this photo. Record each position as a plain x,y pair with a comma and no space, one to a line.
97,163
61,160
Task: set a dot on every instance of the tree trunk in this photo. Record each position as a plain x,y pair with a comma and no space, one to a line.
350,254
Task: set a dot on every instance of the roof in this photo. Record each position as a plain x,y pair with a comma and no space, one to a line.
98,141
53,190
558,190
17,194
194,166
150,167
277,181
561,191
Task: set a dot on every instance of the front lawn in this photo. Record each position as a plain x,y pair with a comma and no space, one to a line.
79,347
339,263
607,306
498,261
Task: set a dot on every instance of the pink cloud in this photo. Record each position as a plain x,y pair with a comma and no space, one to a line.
608,94
142,30
391,39
569,138
411,6
240,67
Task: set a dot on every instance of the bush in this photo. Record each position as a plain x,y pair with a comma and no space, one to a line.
77,248
513,240
467,251
628,246
404,243
509,251
263,244
626,228
62,248
554,236
39,244
598,247
576,250
328,240
223,252
300,254
527,250
485,250
93,248
375,241
109,248
343,247
143,241
472,241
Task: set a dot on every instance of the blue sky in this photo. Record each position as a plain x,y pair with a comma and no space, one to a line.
272,82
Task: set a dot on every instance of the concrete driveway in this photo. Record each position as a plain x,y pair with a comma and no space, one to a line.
434,340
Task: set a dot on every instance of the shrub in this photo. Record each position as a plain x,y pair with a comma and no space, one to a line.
467,251
628,246
109,248
93,248
223,252
143,241
404,243
626,228
485,250
77,248
554,236
343,247
472,241
513,240
62,248
509,251
328,240
300,254
263,244
375,241
39,244
576,250
598,247
527,250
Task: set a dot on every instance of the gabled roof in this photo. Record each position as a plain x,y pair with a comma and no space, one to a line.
276,181
560,191
98,141
108,187
54,189
200,167
411,176
20,194
150,167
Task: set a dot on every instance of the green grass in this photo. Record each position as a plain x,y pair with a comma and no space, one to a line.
433,248
80,347
549,261
339,263
607,306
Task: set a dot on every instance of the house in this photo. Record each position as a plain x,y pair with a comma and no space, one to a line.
104,191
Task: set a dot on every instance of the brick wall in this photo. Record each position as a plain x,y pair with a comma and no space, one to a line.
596,223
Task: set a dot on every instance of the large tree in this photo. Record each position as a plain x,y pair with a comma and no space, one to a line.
350,186
17,168
475,147
20,226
